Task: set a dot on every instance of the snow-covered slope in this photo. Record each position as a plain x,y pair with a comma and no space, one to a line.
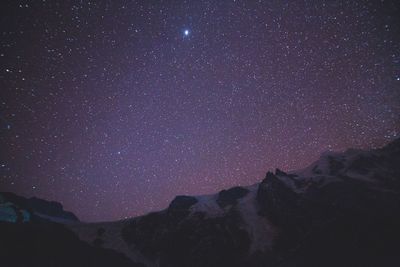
260,231
342,210
264,223
14,208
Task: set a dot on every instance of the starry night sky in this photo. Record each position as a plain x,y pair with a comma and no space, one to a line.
115,107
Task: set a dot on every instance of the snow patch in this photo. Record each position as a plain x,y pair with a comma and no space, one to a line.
207,204
260,230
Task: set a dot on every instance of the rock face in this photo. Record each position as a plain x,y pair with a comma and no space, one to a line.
36,208
349,219
181,204
182,239
342,210
231,196
50,208
273,197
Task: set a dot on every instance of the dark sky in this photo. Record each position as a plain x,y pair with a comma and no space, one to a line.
114,107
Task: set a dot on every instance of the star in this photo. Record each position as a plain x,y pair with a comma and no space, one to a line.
187,95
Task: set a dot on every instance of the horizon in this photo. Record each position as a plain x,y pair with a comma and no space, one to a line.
211,193
114,108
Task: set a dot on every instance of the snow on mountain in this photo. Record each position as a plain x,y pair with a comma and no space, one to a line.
14,208
340,210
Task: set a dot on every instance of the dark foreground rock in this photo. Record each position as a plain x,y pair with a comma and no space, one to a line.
39,244
190,240
343,210
353,220
231,196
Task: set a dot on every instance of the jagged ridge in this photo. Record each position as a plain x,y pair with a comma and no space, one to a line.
342,210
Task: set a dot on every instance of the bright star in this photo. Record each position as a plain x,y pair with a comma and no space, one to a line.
186,32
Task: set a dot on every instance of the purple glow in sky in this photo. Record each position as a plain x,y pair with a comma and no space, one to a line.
115,107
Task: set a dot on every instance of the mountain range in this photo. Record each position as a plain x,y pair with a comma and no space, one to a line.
342,210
